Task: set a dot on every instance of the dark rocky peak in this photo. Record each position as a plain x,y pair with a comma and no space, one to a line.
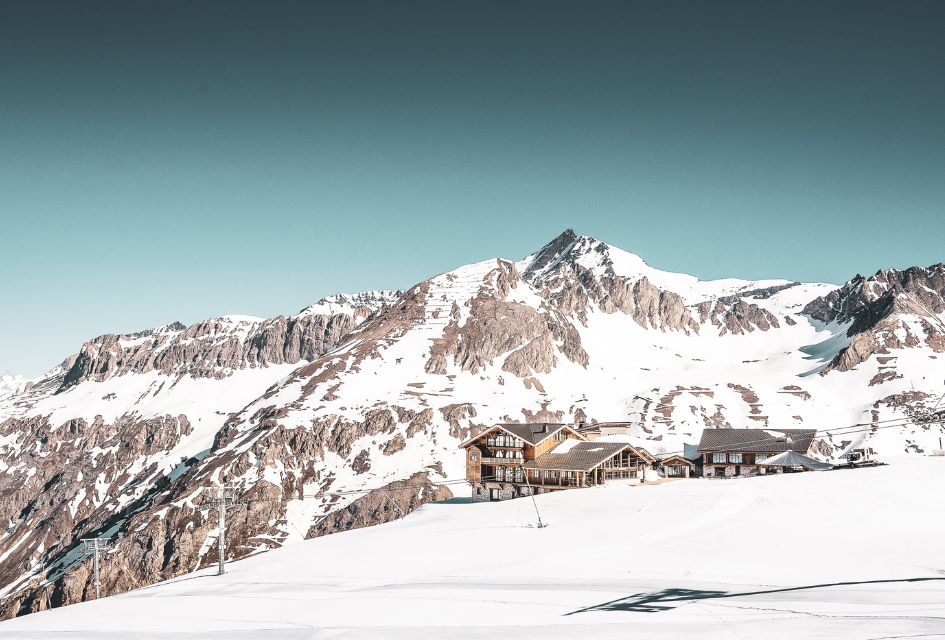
866,301
551,254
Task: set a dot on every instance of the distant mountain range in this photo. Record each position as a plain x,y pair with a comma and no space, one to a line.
309,416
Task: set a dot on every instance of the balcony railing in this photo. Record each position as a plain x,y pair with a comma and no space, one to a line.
503,461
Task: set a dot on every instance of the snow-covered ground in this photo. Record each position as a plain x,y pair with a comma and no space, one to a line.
841,554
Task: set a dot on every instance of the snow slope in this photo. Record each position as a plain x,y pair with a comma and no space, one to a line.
841,554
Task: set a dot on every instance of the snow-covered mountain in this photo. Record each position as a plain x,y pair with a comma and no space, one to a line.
310,416
10,383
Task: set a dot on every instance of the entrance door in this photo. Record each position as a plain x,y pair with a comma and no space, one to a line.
493,494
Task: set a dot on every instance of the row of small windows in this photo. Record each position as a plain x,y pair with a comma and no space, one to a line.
502,440
736,458
515,474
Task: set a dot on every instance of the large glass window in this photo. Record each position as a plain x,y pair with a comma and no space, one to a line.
735,457
718,457
761,457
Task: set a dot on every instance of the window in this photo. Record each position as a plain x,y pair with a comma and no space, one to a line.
474,457
499,454
491,442
546,474
761,457
718,457
518,454
500,473
735,457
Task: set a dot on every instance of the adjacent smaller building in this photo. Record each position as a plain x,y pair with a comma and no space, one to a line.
677,466
741,452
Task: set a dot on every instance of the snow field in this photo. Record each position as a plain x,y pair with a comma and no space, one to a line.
842,554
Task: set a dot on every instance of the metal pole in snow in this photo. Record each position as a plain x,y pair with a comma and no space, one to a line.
96,546
221,538
97,581
534,502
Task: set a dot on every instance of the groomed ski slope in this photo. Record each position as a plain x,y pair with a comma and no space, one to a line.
839,554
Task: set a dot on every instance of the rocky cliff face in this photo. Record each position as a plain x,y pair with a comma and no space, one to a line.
890,310
349,413
215,347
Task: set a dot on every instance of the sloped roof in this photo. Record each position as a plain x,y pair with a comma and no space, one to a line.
677,458
760,440
580,456
794,459
532,433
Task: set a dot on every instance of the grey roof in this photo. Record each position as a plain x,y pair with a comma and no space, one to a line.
532,433
794,459
756,440
582,456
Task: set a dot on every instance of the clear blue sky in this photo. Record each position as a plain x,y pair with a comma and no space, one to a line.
179,160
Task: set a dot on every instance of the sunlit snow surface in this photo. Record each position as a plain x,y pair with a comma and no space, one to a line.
839,554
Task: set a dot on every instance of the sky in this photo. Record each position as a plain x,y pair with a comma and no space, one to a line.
184,160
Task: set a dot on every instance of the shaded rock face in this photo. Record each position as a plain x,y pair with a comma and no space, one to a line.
875,309
866,301
382,505
169,529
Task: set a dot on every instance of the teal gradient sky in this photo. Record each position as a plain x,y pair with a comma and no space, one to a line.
180,160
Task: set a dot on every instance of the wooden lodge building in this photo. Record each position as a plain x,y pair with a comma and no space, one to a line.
510,460
743,452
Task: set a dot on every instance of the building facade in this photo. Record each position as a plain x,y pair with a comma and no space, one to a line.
739,452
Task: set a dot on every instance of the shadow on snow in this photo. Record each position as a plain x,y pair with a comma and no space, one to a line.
668,599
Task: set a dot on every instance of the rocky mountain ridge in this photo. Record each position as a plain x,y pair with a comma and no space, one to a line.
349,412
